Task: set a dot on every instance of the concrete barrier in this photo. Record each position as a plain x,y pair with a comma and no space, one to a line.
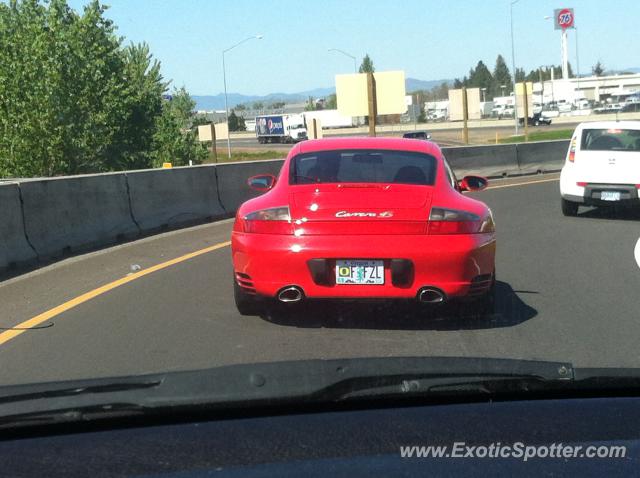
545,156
491,161
74,213
14,247
232,181
167,198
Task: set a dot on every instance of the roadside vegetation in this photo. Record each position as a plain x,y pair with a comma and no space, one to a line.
539,136
245,156
74,99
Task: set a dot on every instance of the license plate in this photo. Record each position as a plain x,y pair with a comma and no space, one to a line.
361,272
610,195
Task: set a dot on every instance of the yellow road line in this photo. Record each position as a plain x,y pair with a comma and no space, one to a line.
49,314
523,184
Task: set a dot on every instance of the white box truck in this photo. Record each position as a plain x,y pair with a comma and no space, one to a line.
283,128
329,118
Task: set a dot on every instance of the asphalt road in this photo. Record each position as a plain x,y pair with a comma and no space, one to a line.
567,291
444,137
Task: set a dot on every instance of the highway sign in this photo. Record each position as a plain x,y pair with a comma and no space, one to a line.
564,18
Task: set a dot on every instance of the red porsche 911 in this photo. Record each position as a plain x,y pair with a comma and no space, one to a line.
363,218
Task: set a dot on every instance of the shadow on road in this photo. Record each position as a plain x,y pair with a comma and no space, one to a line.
619,213
509,310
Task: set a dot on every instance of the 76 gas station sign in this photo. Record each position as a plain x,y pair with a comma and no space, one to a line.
563,18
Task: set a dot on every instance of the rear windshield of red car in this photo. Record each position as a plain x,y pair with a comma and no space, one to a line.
612,139
363,166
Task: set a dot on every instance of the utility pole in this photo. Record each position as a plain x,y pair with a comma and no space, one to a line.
526,111
213,142
465,116
373,106
513,64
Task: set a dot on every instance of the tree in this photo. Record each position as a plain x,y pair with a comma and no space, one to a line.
481,77
598,69
142,101
501,77
311,105
422,117
174,141
236,123
257,105
241,124
74,100
55,117
520,75
199,120
367,65
332,102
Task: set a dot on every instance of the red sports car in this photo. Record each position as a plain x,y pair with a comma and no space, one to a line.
363,218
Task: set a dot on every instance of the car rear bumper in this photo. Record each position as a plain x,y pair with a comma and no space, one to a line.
592,195
458,265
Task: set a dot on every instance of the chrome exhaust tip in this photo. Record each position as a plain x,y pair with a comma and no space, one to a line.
290,294
430,295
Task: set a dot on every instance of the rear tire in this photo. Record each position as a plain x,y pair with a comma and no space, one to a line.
569,208
247,304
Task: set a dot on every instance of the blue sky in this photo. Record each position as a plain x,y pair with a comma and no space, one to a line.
427,39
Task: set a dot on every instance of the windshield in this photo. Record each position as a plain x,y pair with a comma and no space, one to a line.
612,139
187,185
363,166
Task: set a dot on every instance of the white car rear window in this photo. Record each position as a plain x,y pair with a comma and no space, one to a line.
610,140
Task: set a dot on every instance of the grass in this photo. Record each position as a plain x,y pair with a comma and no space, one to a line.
245,156
539,136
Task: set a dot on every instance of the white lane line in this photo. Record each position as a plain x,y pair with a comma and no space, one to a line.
637,252
538,181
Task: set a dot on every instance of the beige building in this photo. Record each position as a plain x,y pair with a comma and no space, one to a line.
595,88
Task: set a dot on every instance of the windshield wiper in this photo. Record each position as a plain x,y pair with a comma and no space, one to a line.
299,382
42,391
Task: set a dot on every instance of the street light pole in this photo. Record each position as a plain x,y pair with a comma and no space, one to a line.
577,62
355,69
224,79
513,64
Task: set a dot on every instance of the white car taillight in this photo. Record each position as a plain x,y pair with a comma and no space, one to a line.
572,150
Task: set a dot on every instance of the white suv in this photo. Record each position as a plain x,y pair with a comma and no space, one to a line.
602,167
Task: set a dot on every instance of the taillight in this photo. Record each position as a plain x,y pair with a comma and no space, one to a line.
581,184
572,150
275,220
452,221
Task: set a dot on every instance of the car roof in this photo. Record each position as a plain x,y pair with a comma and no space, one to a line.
610,124
388,143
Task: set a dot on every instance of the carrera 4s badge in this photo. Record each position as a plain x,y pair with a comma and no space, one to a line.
364,214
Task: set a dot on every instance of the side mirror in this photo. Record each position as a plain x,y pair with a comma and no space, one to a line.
473,183
262,182
428,136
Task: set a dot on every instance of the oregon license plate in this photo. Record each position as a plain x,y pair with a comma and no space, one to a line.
610,195
362,272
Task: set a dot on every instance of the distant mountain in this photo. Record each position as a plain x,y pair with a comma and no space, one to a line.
216,102
411,84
